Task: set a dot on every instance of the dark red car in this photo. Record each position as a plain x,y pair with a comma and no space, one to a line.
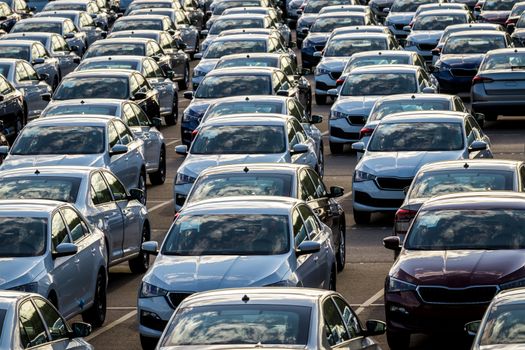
460,251
496,11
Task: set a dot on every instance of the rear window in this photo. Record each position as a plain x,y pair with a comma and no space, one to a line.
508,60
2,317
64,189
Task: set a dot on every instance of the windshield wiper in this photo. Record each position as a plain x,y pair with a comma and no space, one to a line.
517,67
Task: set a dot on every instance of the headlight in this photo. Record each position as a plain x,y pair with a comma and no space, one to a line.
337,115
360,176
395,285
28,288
149,291
321,70
513,284
410,43
199,73
307,43
182,179
190,115
440,67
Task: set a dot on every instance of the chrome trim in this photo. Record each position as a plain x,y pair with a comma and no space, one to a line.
497,289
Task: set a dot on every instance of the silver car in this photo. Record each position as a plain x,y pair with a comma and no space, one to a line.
284,318
243,139
50,249
401,14
30,321
99,196
234,242
99,14
400,145
101,141
24,78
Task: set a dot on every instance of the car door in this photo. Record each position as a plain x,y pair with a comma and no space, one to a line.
306,269
139,124
32,330
67,59
309,157
134,158
87,25
118,162
157,79
11,106
150,104
353,326
108,215
28,80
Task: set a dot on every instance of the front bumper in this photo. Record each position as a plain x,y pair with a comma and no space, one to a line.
449,83
153,316
180,192
325,82
367,196
342,131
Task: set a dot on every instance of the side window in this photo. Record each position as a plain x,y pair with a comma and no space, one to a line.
293,110
31,72
42,51
299,130
522,177
475,127
333,328
307,187
119,192
112,135
165,42
285,83
125,135
58,231
157,71
34,52
129,116
156,48
471,136
21,73
286,66
143,118
74,223
420,80
87,21
99,190
419,61
459,105
63,45
292,136
32,329
143,85
309,220
134,85
299,229
320,189
276,82
349,318
147,70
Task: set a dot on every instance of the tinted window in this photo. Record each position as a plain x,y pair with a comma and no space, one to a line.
95,87
328,24
232,85
349,318
48,27
58,231
438,22
108,65
508,60
382,109
64,189
32,329
96,109
74,223
366,84
100,193
334,328
307,187
55,323
320,188
227,24
299,229
473,44
118,190
22,236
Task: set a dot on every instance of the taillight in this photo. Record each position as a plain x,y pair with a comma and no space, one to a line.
403,219
194,133
477,6
340,81
436,51
365,132
479,80
511,21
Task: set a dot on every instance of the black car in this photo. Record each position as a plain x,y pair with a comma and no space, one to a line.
20,7
8,18
13,112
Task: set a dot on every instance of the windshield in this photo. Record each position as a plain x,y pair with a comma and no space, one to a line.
64,5
71,16
347,47
137,24
226,108
48,27
96,109
228,234
48,139
377,60
248,62
483,229
314,6
233,85
239,324
239,139
374,84
219,9
95,87
517,10
409,5
116,49
108,65
20,52
438,22
428,136
4,69
326,24
390,107
508,60
473,45
22,236
498,5
64,189
250,184
504,324
221,48
436,183
239,23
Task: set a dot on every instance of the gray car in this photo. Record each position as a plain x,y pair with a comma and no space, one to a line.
50,249
284,318
400,145
401,14
234,242
97,13
99,196
101,141
24,78
30,321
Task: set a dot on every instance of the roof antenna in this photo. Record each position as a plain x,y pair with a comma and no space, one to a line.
466,166
245,298
245,169
37,172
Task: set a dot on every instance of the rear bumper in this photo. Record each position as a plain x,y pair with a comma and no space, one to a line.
500,107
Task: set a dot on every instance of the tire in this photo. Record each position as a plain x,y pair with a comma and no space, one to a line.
96,314
142,185
362,217
159,177
341,251
148,343
336,148
140,264
320,99
172,118
185,82
398,340
332,285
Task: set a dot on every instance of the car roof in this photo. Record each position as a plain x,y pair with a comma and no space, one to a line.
419,96
141,17
58,12
424,116
242,205
25,34
477,200
243,70
272,98
11,297
101,72
45,19
383,52
511,296
10,61
241,16
17,42
443,12
382,68
249,118
122,40
73,119
248,168
51,170
242,36
473,26
136,32
19,206
500,164
89,101
253,55
477,33
340,14
115,58
359,35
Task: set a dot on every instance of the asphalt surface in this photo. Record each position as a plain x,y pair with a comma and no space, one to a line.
361,282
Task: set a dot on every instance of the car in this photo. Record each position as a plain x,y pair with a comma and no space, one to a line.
82,20
195,13
30,320
320,31
380,9
392,158
240,81
99,196
25,79
9,17
441,6
36,54
345,8
273,319
21,7
55,141
143,22
359,29
336,54
167,89
279,239
428,27
276,179
13,109
63,26
219,7
515,14
461,275
98,13
518,32
497,86
123,84
156,4
361,89
272,32
496,11
439,178
401,13
50,249
461,56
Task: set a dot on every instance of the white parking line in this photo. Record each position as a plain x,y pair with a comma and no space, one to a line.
111,325
369,302
158,206
344,196
324,133
172,142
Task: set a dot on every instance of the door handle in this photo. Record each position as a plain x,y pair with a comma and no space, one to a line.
93,251
316,258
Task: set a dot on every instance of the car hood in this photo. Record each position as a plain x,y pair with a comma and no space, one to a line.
400,17
206,64
19,271
306,20
335,64
199,106
318,38
402,164
519,32
355,104
472,60
429,36
20,161
199,273
455,268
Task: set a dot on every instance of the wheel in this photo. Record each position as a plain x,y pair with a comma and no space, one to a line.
341,252
336,148
148,343
96,315
140,264
333,280
158,177
171,119
361,217
320,99
398,340
185,82
142,185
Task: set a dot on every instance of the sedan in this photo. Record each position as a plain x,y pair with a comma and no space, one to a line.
8,17
284,318
97,13
99,196
138,22
400,145
13,115
50,249
234,242
496,11
400,15
518,32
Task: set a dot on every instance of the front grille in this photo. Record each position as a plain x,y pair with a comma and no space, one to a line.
463,72
152,321
427,47
175,298
365,199
356,119
335,75
322,86
393,183
399,26
469,295
337,132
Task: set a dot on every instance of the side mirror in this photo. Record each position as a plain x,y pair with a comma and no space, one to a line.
69,35
197,56
284,93
318,54
204,33
429,90
480,118
336,191
307,247
156,122
436,52
43,76
472,328
76,60
140,96
305,30
358,146
46,96
188,95
333,92
386,10
392,243
181,149
99,25
4,150
477,146
171,31
38,60
150,247
65,249
137,194
407,28
74,48
118,149
375,327
316,119
81,329
299,149
183,46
